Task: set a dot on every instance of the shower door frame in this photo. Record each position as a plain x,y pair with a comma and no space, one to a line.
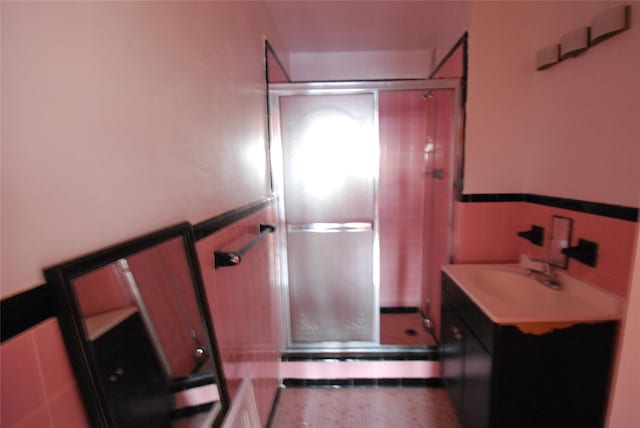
277,90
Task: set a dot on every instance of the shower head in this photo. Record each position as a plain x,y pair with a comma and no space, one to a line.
427,96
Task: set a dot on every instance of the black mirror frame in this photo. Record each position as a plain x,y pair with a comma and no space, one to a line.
59,278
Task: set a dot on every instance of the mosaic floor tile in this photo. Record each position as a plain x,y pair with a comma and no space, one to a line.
364,408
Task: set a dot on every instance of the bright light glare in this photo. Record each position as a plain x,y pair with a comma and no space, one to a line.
335,148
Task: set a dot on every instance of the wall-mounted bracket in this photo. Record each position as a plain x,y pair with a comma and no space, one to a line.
585,252
233,258
535,235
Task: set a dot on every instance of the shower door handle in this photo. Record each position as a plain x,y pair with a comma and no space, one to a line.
331,227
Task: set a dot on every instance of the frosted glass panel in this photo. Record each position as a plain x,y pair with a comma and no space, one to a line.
331,289
330,155
330,162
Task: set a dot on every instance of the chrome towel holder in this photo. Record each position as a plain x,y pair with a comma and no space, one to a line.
233,258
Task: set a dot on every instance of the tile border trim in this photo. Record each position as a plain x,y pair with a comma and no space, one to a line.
212,225
363,383
25,310
399,310
597,208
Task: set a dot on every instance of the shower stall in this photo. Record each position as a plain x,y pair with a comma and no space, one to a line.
326,161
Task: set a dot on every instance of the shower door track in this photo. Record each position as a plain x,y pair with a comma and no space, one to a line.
275,91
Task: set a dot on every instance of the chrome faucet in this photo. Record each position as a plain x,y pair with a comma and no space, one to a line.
546,276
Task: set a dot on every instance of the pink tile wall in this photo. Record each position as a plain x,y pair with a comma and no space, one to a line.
486,233
245,308
400,193
615,238
38,388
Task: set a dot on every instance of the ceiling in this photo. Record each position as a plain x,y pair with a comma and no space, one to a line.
345,26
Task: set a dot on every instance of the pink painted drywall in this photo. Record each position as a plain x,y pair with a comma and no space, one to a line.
245,308
38,386
453,67
276,71
623,409
402,121
363,65
569,131
119,118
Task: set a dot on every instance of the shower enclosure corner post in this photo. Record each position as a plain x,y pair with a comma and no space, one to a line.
275,147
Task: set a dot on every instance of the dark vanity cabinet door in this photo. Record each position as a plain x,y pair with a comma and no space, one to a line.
466,370
452,356
131,377
499,376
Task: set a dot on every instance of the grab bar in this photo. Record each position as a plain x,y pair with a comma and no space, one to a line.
233,258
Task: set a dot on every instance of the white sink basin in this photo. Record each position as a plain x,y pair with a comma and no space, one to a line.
511,287
508,296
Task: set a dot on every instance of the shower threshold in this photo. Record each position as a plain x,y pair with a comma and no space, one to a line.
381,352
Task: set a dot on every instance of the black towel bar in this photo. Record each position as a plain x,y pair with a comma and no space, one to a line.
233,258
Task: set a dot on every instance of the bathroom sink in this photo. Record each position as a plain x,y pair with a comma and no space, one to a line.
507,295
512,287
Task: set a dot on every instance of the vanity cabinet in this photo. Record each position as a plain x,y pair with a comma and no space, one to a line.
130,376
524,375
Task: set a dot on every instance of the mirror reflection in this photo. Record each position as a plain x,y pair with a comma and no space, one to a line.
144,340
156,283
560,238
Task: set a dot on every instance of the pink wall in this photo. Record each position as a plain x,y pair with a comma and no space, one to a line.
38,386
276,73
119,118
245,308
569,131
487,233
402,119
525,128
365,65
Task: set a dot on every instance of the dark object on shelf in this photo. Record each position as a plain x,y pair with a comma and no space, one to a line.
233,258
585,252
535,235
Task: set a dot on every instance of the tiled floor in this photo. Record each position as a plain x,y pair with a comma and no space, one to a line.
364,408
404,329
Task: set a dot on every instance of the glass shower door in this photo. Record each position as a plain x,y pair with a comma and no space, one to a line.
330,162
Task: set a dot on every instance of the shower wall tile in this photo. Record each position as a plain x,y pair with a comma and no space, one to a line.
402,117
245,308
38,387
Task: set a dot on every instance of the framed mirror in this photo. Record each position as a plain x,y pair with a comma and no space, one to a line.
136,323
560,239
